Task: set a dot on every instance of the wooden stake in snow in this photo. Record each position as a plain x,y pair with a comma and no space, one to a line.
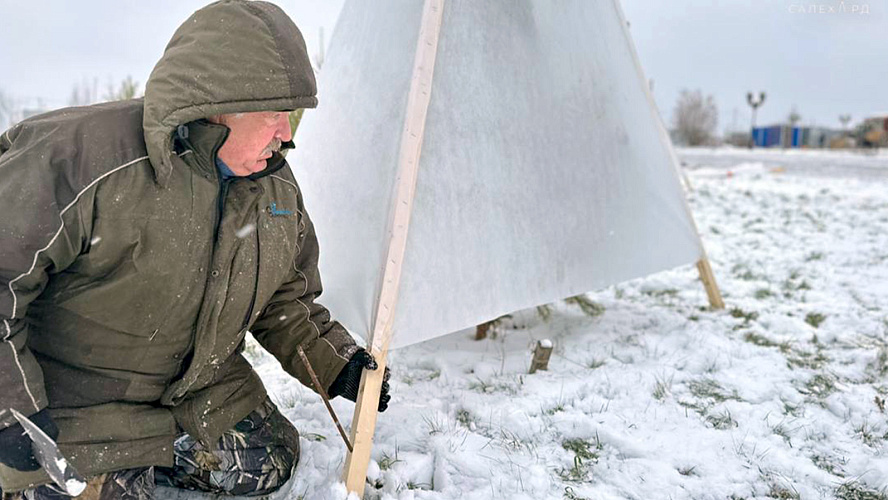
541,354
708,279
364,422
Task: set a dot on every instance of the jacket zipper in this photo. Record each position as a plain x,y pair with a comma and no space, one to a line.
246,322
223,192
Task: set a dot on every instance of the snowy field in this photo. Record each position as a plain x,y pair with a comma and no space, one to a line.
652,395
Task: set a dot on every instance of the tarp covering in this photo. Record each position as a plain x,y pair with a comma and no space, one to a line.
544,173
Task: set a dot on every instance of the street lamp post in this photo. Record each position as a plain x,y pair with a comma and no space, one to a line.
754,103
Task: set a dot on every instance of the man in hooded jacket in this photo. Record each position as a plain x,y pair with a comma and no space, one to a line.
139,242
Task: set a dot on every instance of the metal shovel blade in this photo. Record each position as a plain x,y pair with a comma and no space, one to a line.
51,459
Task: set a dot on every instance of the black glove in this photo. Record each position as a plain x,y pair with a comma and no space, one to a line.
15,445
348,381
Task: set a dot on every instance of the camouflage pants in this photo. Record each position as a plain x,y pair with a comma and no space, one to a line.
254,458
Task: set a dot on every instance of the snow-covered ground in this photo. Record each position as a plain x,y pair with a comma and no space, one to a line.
781,395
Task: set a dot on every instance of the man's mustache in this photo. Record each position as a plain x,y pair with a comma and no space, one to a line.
273,147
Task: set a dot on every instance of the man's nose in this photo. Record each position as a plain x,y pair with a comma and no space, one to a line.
284,133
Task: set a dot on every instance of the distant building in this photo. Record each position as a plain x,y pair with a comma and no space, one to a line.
873,131
787,136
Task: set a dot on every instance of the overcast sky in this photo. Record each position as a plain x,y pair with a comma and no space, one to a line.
825,63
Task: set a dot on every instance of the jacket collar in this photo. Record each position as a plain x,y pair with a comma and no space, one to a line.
205,138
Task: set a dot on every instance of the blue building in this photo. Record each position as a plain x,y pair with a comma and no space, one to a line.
786,136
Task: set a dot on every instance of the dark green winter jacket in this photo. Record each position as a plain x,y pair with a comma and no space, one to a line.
130,272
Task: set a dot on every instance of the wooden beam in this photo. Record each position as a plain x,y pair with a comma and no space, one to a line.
364,421
708,279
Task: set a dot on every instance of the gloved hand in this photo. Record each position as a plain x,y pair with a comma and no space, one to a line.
15,445
348,381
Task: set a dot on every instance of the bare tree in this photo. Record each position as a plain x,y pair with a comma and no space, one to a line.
84,93
695,117
128,89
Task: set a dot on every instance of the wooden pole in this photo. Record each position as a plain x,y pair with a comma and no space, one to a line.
708,279
364,421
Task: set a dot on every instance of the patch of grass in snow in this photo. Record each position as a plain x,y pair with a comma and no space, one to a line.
807,359
761,340
632,339
708,388
511,441
555,409
485,387
777,487
387,461
870,436
418,486
594,363
570,494
829,464
815,319
742,272
811,257
746,316
435,424
794,284
712,366
586,454
465,417
687,471
662,388
763,293
544,311
589,307
818,224
794,410
795,358
880,365
583,448
722,420
783,493
853,490
288,399
662,292
748,224
697,406
820,386
709,393
412,377
783,431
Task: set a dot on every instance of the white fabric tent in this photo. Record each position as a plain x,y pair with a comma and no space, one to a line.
544,172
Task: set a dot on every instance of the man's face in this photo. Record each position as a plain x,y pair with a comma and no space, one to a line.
253,139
